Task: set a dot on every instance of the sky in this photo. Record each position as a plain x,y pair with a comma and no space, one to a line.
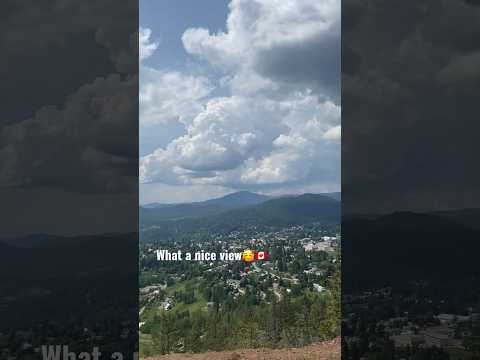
238,95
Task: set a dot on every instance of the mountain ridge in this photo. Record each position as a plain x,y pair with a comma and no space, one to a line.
201,208
236,196
280,212
151,213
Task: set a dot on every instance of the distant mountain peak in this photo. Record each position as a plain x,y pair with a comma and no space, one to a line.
201,208
243,195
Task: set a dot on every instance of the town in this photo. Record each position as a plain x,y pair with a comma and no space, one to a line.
302,263
393,324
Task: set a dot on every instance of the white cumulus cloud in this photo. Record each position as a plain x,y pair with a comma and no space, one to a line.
145,45
277,123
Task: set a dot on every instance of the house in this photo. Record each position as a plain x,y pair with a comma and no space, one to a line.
318,288
167,304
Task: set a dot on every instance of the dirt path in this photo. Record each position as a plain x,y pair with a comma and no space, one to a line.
329,350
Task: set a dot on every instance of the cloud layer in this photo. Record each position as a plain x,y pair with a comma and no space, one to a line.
81,135
409,99
263,113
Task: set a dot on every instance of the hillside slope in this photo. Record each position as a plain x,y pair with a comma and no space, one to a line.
151,213
401,247
29,273
467,217
328,350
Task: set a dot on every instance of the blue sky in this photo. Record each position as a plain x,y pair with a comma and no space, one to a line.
238,96
169,19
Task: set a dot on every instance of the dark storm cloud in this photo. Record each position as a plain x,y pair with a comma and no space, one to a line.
314,63
30,26
27,82
84,146
69,86
69,116
410,89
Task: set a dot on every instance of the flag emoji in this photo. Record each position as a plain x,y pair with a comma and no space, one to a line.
262,255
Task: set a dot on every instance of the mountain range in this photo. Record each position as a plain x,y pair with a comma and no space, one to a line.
274,213
156,212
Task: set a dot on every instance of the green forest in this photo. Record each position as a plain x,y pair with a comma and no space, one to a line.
248,323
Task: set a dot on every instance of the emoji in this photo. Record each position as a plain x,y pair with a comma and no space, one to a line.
261,255
248,256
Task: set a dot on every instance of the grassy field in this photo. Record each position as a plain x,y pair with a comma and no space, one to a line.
146,344
156,308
